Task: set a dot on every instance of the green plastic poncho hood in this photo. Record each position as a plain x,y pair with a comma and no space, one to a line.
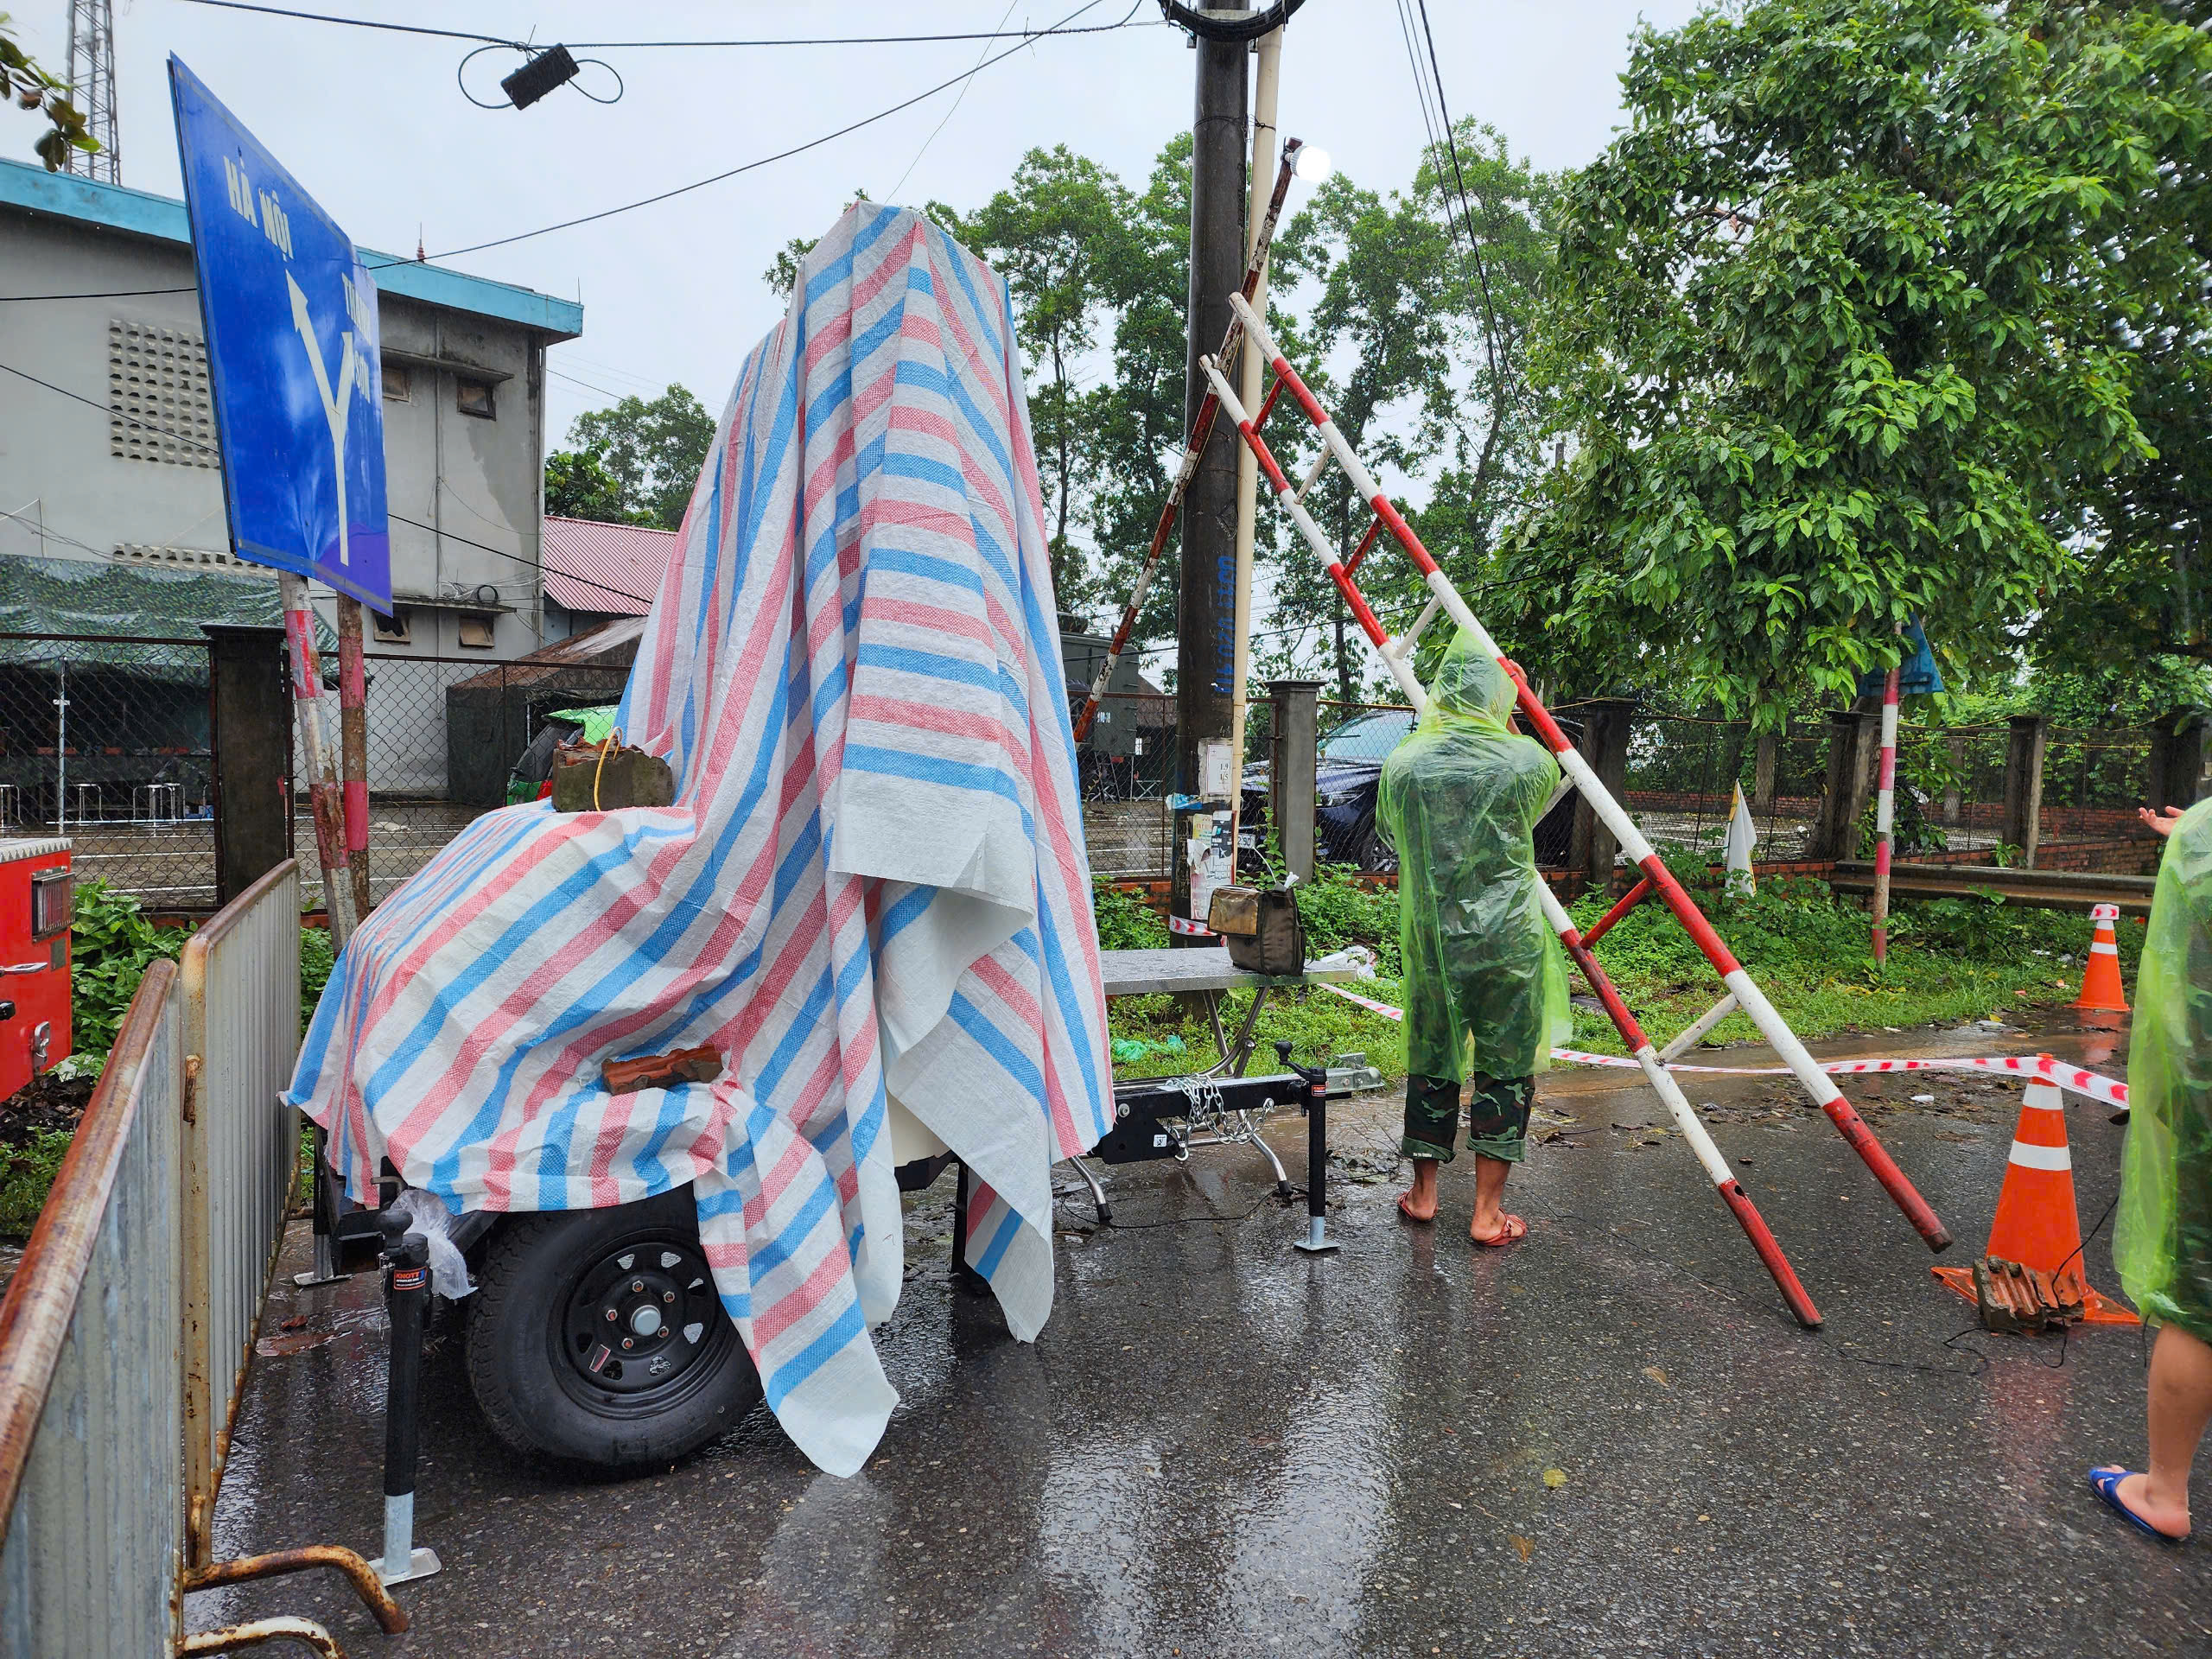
2164,1241
1485,979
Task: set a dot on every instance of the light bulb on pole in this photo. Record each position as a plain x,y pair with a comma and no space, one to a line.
1314,164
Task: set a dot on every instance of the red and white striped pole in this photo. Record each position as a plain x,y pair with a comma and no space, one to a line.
1885,815
1396,653
353,747
314,752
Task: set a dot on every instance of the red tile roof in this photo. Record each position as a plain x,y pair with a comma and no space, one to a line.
608,568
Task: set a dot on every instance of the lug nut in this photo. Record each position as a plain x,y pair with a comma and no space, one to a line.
637,1286
610,1313
627,1342
668,1295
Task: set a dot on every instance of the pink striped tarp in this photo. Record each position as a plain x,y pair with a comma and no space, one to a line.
873,878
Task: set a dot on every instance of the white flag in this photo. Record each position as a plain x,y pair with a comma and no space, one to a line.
1737,855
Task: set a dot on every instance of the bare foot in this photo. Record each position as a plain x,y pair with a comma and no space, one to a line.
1416,1205
2170,1519
1509,1228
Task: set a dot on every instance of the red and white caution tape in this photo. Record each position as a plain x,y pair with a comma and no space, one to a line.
1196,929
2094,1085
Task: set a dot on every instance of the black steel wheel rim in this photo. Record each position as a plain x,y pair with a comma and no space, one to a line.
641,1329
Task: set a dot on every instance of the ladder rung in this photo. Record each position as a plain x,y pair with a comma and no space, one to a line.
1314,472
1267,403
1634,896
1374,529
1705,1022
1428,614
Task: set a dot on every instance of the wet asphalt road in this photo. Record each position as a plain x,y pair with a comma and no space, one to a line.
1609,1439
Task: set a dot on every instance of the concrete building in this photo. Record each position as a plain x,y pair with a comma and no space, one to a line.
125,477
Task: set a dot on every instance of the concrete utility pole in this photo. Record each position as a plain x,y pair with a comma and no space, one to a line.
1206,631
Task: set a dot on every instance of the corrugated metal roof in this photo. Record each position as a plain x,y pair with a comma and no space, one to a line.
609,568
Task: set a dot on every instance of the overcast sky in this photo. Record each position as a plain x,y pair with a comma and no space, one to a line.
372,123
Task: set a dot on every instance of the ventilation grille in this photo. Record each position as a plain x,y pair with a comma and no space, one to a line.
192,558
158,407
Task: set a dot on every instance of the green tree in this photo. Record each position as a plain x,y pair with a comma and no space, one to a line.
32,88
1492,420
1386,272
578,486
1842,334
1136,413
1053,234
650,453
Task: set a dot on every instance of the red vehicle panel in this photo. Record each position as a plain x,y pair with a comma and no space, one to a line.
34,913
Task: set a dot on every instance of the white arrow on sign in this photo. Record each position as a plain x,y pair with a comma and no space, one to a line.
335,408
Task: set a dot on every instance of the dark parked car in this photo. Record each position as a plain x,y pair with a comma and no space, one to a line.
1347,771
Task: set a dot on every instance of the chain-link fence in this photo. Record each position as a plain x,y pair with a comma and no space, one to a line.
444,735
1126,768
2093,781
1950,795
106,740
1684,771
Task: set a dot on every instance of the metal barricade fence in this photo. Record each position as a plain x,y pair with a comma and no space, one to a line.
240,978
91,1400
124,1334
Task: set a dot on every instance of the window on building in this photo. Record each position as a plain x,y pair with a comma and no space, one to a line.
393,630
399,382
157,403
476,629
474,398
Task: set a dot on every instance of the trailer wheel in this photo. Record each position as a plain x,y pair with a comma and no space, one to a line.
596,1335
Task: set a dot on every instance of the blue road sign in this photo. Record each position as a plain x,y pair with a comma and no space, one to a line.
290,313
1916,674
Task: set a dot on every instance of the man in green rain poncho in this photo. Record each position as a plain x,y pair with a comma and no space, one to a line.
1485,979
2162,1244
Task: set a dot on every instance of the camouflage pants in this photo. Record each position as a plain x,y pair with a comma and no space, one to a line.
1498,1117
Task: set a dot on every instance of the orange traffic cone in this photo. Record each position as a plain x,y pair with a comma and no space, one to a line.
2038,1225
2101,978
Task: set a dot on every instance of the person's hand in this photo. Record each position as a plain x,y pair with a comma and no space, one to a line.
2162,821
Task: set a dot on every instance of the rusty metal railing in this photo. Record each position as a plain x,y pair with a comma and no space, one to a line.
125,1333
92,1402
239,975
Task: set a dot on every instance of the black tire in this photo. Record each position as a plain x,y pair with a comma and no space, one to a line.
548,1386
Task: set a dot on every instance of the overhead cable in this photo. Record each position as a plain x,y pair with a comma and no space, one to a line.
442,533
748,167
649,46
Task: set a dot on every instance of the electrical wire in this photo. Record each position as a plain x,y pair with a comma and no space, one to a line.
764,160
892,193
559,374
400,518
1467,212
107,294
648,46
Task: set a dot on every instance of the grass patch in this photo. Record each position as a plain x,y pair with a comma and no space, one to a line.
1950,959
27,1173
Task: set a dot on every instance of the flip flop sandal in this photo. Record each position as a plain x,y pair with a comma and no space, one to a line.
2105,1483
1406,1215
1513,1232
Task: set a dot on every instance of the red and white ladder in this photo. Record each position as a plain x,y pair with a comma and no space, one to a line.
1742,992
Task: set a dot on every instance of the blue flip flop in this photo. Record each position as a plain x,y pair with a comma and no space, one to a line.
2106,1483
